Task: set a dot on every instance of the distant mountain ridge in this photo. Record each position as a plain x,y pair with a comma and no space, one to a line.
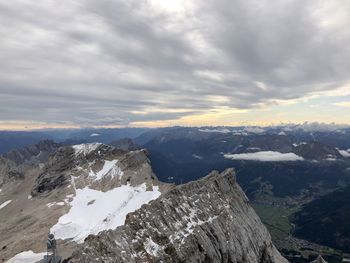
85,181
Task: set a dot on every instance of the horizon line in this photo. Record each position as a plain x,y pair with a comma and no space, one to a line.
57,128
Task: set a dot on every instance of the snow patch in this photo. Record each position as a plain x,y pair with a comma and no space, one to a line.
345,153
298,144
265,156
109,168
192,221
27,257
240,133
253,149
152,248
108,211
197,156
256,130
215,130
55,203
5,204
85,148
320,127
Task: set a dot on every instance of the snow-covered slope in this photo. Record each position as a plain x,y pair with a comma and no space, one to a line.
93,211
26,257
81,190
209,220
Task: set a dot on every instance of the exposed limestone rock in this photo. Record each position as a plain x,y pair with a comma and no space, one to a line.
33,153
319,260
84,164
15,163
9,171
209,220
55,173
46,191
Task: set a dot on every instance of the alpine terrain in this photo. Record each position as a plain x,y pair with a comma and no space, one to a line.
104,204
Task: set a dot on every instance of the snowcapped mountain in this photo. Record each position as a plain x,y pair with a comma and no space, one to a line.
209,220
78,191
95,190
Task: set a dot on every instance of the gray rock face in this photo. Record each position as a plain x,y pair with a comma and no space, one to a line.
46,191
83,161
15,163
9,171
56,170
34,153
209,220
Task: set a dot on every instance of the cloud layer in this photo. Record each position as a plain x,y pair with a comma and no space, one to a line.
265,156
113,62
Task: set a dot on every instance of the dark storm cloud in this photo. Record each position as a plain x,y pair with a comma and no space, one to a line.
116,62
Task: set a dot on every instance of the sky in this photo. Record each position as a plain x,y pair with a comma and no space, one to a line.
155,63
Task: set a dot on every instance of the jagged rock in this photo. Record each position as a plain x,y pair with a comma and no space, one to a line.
5,166
9,171
209,220
47,193
56,173
15,163
33,153
82,163
319,260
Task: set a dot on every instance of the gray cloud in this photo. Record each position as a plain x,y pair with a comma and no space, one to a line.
101,62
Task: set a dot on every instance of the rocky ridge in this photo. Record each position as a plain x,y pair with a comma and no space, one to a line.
33,153
209,220
49,191
84,164
15,163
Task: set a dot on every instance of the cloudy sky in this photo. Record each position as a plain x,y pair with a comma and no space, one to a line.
173,62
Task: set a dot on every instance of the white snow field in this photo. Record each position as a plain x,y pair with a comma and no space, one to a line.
345,153
27,257
265,156
93,211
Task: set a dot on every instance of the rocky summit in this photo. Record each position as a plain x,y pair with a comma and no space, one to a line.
105,204
79,190
209,220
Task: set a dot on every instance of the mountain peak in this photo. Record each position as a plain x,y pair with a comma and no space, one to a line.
86,148
209,220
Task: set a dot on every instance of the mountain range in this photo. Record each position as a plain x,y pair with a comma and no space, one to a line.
292,176
91,194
